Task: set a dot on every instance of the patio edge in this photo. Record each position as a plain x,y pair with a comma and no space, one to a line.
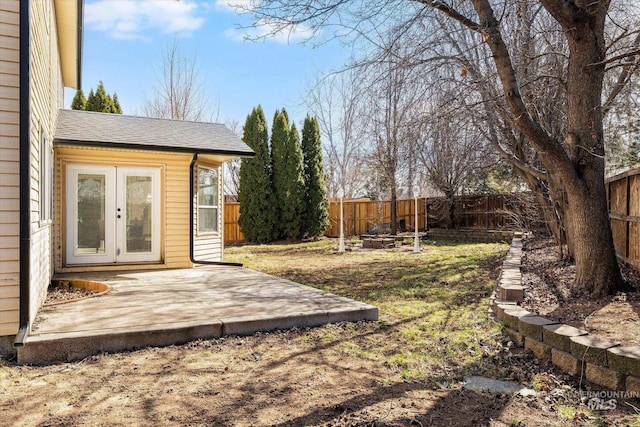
51,348
69,347
248,326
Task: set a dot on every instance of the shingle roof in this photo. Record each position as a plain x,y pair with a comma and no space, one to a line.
144,133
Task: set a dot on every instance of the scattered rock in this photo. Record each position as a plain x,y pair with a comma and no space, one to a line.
476,383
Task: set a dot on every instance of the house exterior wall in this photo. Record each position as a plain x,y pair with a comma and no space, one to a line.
46,97
9,166
174,190
46,92
209,246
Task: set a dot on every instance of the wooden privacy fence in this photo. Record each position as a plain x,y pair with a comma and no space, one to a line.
486,212
232,232
624,211
364,216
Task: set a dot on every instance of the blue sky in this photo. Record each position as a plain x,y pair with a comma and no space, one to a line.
124,40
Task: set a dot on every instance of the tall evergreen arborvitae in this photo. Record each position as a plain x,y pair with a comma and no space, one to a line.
285,114
117,109
101,101
293,209
317,205
279,153
91,99
79,101
257,201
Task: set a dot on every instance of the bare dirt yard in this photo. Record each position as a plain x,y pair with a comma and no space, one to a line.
407,369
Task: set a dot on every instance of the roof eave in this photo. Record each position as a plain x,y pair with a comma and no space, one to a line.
69,23
147,147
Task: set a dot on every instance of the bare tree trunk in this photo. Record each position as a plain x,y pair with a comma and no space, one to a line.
597,271
550,217
558,197
580,169
411,181
394,209
451,207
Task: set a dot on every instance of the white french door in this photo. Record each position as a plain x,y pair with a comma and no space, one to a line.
113,214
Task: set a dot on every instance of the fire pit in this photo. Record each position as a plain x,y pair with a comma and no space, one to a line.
378,242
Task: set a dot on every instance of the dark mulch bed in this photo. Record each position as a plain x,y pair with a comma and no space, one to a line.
548,281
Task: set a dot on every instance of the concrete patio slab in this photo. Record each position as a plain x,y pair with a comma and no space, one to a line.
164,307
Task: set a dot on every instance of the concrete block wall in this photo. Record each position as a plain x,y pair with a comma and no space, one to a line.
470,236
600,360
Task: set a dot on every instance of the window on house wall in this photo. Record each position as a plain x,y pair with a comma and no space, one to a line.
46,177
207,200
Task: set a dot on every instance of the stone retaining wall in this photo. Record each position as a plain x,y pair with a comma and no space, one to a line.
602,361
470,236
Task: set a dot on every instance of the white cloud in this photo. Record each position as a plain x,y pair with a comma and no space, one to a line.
133,19
263,29
270,31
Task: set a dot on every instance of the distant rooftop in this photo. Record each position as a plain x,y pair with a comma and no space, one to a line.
145,133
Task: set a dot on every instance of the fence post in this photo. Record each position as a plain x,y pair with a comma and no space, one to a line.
426,215
486,212
627,223
355,219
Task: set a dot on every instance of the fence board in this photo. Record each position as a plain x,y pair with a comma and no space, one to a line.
618,197
492,212
634,238
634,196
232,232
624,211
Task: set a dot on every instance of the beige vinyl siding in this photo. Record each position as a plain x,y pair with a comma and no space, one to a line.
9,29
46,98
9,167
208,246
174,193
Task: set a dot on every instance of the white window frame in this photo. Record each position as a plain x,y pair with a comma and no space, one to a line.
46,180
215,207
114,219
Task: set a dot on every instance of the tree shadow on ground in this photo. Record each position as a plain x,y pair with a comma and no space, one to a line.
454,408
549,282
399,403
381,280
322,376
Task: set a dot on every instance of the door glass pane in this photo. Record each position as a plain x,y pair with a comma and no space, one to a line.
91,211
138,210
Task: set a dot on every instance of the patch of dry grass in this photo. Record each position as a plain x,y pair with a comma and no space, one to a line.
432,305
